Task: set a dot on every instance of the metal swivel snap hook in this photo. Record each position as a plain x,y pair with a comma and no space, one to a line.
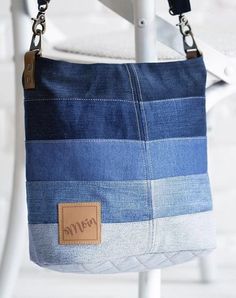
39,27
39,24
190,46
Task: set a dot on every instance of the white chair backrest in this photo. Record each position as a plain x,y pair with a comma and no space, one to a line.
217,63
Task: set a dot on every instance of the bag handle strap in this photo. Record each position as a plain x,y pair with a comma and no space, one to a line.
177,7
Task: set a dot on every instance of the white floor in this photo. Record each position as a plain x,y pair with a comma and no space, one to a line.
181,281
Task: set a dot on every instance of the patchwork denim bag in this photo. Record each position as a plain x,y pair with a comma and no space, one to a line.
116,162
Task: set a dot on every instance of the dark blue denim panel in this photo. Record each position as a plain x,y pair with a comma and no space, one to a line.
56,79
101,160
178,157
121,201
175,118
75,119
60,79
169,80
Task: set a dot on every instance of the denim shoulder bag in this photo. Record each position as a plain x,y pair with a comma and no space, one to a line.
116,161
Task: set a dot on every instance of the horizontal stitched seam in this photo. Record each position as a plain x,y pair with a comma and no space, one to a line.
128,182
173,99
114,140
111,99
78,99
140,222
196,203
144,220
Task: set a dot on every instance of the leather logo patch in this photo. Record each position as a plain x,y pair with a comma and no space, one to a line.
79,223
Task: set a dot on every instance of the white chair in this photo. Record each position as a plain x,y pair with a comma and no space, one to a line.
223,76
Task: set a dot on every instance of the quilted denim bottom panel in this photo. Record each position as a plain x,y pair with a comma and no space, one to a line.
131,138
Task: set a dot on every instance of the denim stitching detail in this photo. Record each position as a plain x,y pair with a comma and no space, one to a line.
141,263
78,99
113,99
115,140
143,149
145,120
117,268
132,89
177,139
170,258
174,99
128,182
193,253
149,166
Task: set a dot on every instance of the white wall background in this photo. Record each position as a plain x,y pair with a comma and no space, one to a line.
222,121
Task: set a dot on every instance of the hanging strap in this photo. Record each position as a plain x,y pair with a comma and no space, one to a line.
176,6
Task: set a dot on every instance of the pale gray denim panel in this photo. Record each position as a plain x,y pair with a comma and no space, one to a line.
178,233
139,263
185,232
118,239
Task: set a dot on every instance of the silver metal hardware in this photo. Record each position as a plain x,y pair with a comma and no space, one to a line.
39,28
190,46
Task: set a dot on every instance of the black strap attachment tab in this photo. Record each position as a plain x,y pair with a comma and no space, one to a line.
43,2
178,7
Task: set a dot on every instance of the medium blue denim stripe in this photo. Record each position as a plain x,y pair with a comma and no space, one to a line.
105,160
181,195
121,201
174,79
101,119
178,157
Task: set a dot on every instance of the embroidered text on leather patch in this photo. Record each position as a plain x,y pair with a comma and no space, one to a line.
79,223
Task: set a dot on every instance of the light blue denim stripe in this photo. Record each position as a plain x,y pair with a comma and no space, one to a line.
181,195
106,160
178,157
184,232
121,201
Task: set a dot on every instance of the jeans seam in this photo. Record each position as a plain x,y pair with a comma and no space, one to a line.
132,90
114,140
112,99
149,163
